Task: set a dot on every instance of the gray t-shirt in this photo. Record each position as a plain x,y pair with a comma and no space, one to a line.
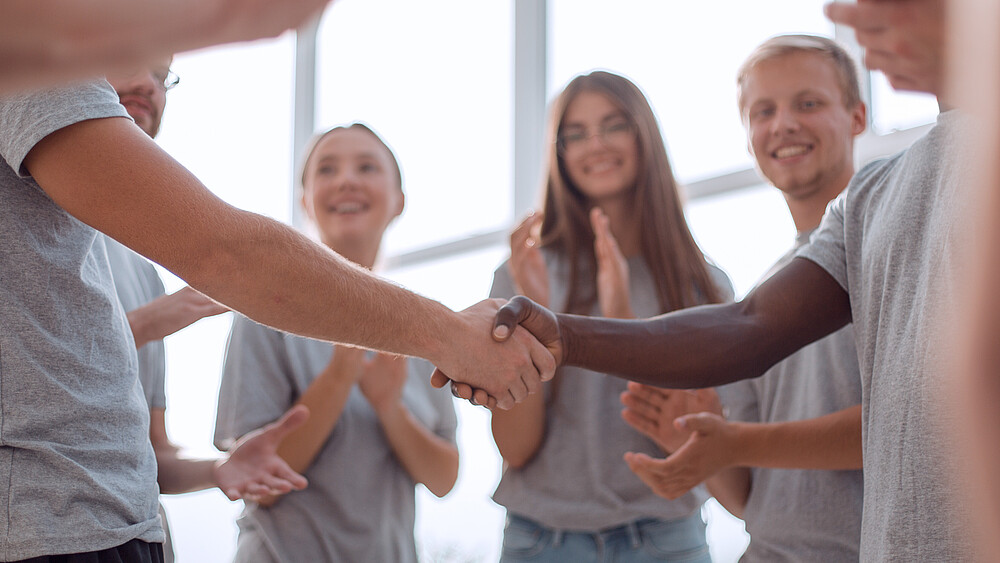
793,514
890,242
77,472
137,283
578,479
359,505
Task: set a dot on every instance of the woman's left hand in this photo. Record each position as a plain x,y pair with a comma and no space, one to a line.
612,270
382,380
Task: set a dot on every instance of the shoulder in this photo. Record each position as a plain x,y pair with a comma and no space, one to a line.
721,280
27,118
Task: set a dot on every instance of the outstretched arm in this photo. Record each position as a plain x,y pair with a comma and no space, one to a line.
905,39
110,175
697,347
42,41
250,469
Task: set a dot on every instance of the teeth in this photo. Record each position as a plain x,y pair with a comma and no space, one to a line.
602,166
348,208
788,152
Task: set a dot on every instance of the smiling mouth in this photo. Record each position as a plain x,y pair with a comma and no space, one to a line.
348,208
791,151
603,166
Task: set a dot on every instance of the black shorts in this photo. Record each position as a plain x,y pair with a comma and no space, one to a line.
135,551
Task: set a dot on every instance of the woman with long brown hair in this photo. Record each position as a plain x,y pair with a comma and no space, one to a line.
611,241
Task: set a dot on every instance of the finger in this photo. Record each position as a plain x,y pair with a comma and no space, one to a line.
518,390
439,380
292,419
647,392
462,390
507,318
521,234
639,406
539,321
284,471
640,423
542,361
506,402
485,399
862,17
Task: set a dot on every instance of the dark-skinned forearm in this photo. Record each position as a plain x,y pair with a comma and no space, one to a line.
712,344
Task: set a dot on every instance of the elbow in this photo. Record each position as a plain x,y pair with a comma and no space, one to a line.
447,477
519,457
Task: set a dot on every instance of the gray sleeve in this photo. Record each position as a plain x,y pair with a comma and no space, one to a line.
722,282
739,401
27,118
503,283
827,247
256,384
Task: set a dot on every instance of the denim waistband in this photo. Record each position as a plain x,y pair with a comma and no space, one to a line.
632,530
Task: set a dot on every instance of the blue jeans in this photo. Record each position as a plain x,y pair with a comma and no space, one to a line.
681,540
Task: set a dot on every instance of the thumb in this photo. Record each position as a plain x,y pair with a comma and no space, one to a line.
698,422
539,321
439,379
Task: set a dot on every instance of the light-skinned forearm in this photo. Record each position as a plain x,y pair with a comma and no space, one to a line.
325,397
428,458
42,41
731,487
519,432
254,265
713,344
177,473
829,442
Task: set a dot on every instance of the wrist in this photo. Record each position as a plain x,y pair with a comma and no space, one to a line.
389,412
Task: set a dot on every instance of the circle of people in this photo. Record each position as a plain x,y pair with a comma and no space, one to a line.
626,386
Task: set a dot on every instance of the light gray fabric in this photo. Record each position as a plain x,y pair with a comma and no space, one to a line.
77,472
798,515
136,284
359,505
890,242
578,479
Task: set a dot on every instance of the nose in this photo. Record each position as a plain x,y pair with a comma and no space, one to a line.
785,121
144,81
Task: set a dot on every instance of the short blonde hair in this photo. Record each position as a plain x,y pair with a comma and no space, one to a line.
782,45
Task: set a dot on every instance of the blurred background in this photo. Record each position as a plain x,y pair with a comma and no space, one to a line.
459,89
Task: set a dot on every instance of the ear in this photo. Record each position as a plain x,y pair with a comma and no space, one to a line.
400,204
859,119
303,200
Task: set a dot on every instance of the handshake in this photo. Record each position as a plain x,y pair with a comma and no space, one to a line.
527,348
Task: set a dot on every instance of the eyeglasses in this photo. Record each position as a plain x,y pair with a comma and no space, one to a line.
614,133
169,78
161,76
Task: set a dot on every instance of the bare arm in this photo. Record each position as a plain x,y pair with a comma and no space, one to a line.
42,41
325,398
167,314
428,458
698,347
250,469
109,175
974,65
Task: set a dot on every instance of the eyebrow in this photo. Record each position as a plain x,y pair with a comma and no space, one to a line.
605,119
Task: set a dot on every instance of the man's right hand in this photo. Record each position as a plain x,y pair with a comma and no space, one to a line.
503,370
522,321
